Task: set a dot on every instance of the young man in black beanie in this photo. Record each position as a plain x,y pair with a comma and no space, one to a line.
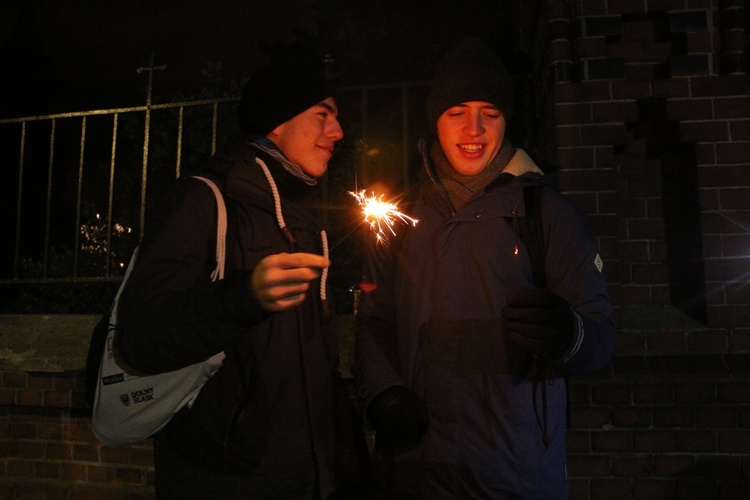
263,425
460,356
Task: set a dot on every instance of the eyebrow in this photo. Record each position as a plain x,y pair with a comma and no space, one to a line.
330,108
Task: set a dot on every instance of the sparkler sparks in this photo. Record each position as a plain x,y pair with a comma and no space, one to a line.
381,215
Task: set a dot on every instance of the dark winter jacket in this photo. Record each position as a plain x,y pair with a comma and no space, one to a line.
262,427
433,324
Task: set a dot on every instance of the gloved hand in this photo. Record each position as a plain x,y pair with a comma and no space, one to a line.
539,321
399,417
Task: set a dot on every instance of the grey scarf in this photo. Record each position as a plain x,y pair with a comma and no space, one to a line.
461,188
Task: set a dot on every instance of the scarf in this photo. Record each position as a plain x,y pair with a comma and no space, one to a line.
461,188
267,145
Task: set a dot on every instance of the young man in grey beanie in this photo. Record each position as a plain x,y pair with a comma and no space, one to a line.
460,356
263,425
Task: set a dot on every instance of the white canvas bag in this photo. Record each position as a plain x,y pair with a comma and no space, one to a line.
130,406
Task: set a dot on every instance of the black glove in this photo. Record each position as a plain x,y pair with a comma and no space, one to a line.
539,321
399,417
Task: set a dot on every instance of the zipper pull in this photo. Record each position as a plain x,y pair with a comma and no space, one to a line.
515,229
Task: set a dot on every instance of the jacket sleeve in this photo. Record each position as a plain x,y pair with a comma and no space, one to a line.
376,359
170,313
574,272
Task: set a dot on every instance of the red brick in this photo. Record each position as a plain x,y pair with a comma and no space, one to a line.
28,397
626,6
611,441
20,468
674,465
633,466
740,340
568,136
650,273
40,381
735,152
578,441
73,472
582,92
611,489
30,449
115,455
632,417
21,430
59,451
576,157
705,131
589,418
695,391
732,107
740,130
8,397
101,474
611,395
573,114
85,453
653,488
57,399
79,433
707,342
657,441
589,465
48,491
690,109
735,392
14,380
674,417
696,441
592,7
720,86
46,470
719,466
130,475
674,87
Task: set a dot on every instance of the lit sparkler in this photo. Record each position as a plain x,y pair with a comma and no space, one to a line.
381,215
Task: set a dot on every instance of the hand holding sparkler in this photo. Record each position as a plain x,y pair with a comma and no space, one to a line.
280,281
381,215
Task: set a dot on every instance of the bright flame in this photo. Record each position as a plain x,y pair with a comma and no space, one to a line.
381,215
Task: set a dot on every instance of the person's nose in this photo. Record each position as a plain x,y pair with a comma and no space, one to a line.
473,125
334,130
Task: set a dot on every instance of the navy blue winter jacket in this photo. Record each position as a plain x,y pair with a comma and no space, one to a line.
433,323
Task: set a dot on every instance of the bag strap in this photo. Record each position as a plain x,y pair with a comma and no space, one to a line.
532,233
221,229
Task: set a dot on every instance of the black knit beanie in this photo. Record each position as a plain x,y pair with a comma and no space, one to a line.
470,71
275,94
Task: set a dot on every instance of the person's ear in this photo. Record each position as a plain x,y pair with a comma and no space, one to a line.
276,132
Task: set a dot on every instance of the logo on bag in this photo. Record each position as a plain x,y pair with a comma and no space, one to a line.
125,399
143,395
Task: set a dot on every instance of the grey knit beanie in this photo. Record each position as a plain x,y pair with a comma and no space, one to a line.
470,71
275,94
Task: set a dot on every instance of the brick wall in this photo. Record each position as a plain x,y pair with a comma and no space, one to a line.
649,115
48,450
649,119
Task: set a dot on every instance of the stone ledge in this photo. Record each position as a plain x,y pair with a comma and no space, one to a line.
58,343
45,342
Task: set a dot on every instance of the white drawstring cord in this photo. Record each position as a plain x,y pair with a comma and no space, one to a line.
287,233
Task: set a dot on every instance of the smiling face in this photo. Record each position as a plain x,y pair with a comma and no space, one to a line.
471,134
308,138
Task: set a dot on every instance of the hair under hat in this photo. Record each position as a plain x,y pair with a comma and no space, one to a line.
276,94
470,71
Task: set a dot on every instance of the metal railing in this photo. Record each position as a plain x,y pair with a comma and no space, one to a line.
61,173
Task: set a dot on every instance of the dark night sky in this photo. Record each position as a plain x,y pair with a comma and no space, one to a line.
70,55
56,53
